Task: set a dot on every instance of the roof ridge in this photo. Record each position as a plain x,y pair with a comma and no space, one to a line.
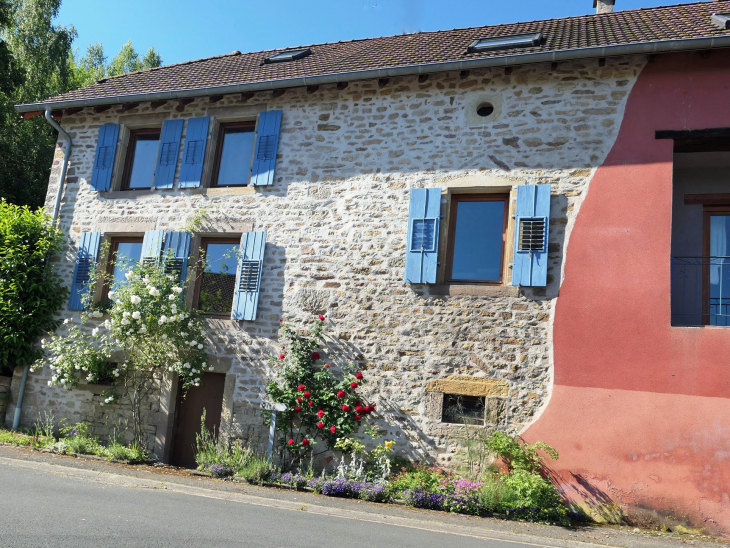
439,31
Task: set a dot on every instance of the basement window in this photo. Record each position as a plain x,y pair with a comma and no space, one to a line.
506,42
291,55
460,409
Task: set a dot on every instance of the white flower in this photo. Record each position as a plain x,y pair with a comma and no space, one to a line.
111,294
173,307
211,368
171,297
146,279
136,315
193,343
90,378
143,329
66,321
186,366
108,324
49,383
125,314
184,334
154,292
170,369
197,384
125,321
101,403
95,331
164,335
135,299
177,290
200,347
191,324
63,381
78,367
54,378
96,314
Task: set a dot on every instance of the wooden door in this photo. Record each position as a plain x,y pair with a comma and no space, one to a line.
189,409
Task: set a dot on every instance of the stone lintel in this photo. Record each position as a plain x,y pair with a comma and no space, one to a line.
469,386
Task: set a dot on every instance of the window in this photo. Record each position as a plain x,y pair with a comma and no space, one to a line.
139,169
125,251
291,55
459,409
477,231
506,42
233,159
217,284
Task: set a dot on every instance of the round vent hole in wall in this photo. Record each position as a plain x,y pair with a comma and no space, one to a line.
485,109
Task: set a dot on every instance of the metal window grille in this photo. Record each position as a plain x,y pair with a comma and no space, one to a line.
167,154
266,147
249,276
104,157
532,234
424,235
194,153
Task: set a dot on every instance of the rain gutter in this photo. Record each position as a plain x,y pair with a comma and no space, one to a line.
645,48
56,208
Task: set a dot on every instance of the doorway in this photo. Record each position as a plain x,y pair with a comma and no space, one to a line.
209,397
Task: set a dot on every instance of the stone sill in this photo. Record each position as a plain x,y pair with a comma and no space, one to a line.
145,193
475,290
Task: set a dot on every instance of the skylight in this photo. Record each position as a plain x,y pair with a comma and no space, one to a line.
506,42
291,55
722,20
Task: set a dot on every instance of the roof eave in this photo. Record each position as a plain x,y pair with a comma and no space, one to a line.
645,48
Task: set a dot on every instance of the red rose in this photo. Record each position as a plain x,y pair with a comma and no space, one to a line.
282,356
320,413
306,394
327,366
315,355
369,409
357,417
311,403
301,387
358,409
297,409
321,318
281,319
345,407
299,399
358,376
320,425
357,402
333,429
340,394
305,442
291,442
353,385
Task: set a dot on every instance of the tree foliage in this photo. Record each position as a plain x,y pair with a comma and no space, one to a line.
30,291
37,62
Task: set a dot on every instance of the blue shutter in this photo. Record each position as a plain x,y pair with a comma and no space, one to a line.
167,153
152,245
532,228
248,277
106,149
85,259
175,253
424,219
194,153
267,143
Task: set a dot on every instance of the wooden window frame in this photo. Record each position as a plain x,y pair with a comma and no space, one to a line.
134,136
114,242
455,200
223,127
707,212
204,242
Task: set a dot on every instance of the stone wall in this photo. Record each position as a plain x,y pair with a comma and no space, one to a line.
336,221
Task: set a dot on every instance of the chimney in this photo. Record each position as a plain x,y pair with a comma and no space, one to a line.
603,6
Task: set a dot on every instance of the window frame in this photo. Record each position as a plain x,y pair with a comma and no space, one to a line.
134,135
202,253
114,242
220,141
482,401
455,198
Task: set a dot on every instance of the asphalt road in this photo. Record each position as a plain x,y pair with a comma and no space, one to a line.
52,507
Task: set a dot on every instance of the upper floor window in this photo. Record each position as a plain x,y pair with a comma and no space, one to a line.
125,252
217,284
233,158
476,238
139,169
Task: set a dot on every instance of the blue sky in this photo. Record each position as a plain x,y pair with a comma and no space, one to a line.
185,29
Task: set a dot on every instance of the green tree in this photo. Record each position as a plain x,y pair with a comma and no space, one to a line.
30,292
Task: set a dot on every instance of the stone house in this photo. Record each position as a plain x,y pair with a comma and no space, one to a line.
518,226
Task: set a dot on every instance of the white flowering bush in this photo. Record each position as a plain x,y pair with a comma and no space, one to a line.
147,331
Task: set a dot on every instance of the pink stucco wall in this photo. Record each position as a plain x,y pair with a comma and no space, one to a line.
641,410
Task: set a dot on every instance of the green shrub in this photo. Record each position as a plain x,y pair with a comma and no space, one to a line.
30,293
417,476
519,456
530,496
257,470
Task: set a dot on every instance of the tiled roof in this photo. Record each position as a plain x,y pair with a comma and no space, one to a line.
680,22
